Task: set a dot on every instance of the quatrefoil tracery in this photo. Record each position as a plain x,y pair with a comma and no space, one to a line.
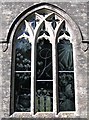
44,26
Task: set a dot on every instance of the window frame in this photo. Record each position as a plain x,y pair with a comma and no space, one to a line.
19,19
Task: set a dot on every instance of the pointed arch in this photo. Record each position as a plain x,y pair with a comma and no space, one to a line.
45,22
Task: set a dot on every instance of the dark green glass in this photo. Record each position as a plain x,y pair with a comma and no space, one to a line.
22,92
65,76
65,55
22,86
23,55
44,83
44,60
44,96
66,91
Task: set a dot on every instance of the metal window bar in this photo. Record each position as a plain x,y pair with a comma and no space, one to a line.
45,80
22,71
66,71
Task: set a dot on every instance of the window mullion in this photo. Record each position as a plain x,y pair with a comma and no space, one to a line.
33,78
54,78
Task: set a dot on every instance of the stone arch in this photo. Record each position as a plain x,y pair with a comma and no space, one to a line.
35,7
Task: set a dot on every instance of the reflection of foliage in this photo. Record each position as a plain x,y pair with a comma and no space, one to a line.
22,80
65,79
65,55
44,60
22,63
23,55
66,91
23,45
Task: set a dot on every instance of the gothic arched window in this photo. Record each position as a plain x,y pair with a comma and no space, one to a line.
43,66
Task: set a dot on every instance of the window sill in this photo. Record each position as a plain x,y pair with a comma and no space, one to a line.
44,115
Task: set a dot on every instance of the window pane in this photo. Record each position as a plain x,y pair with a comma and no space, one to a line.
44,84
22,75
23,55
44,96
65,55
44,60
65,76
66,92
22,92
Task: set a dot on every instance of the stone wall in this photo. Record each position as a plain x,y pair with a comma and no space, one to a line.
8,12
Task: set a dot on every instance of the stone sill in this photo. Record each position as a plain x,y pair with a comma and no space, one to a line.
44,119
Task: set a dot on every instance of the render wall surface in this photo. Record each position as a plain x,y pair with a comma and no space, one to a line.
78,12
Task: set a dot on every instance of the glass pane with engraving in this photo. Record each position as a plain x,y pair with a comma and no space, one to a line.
22,75
44,60
44,83
23,55
22,92
44,96
65,55
66,91
65,76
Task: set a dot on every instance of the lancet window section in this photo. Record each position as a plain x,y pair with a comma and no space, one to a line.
22,73
65,70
